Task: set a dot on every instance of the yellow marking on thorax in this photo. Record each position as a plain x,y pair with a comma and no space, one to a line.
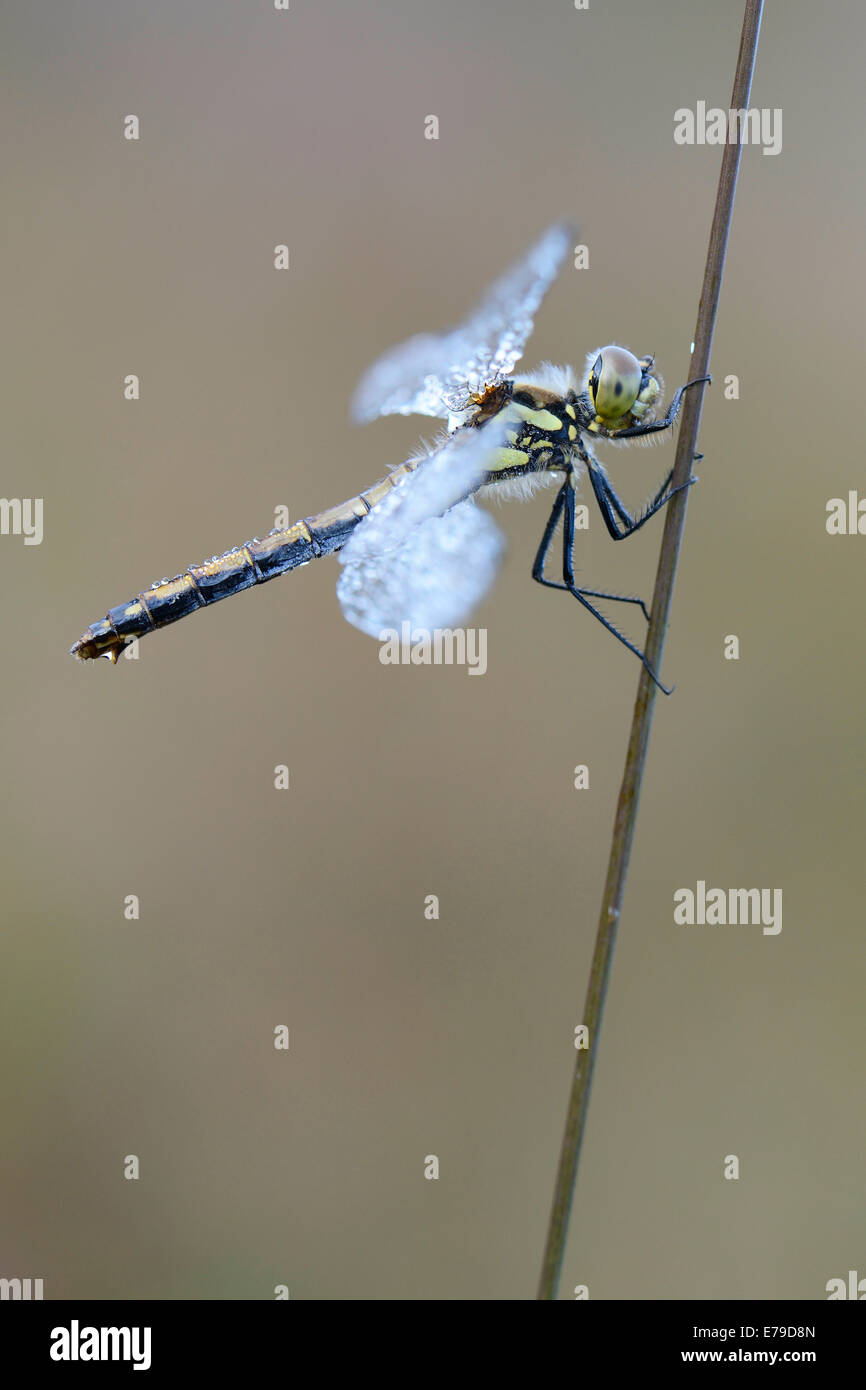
507,458
539,419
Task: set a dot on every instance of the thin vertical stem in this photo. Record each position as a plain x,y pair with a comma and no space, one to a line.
626,811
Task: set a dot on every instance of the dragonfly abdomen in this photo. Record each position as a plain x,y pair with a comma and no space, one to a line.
224,575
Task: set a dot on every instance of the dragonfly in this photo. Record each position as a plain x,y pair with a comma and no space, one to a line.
416,548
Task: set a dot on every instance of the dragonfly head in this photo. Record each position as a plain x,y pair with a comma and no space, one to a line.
622,388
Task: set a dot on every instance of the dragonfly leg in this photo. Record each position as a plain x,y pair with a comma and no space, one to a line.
544,548
547,538
617,518
581,594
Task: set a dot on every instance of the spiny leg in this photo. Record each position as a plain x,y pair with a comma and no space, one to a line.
543,549
614,598
612,507
579,594
550,528
565,503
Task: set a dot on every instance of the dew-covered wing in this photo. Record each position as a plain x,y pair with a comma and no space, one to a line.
424,555
435,374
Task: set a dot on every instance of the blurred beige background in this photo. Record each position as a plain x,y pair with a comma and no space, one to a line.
307,908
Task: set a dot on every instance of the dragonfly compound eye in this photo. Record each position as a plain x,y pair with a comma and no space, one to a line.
614,382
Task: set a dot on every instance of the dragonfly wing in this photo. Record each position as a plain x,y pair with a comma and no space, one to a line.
425,555
436,374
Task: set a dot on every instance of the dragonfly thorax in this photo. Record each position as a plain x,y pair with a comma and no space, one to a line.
541,429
